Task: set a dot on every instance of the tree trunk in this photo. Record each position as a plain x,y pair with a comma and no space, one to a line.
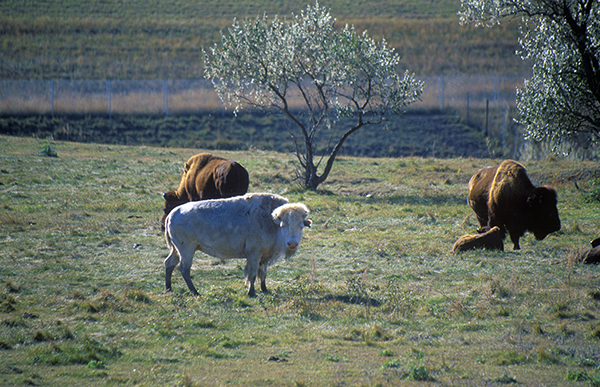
311,178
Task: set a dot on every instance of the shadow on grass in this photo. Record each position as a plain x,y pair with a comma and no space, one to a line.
352,300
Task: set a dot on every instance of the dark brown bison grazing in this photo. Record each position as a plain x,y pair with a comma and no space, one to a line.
489,240
206,176
504,196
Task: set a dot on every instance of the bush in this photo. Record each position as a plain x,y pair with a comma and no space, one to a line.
593,195
48,151
577,376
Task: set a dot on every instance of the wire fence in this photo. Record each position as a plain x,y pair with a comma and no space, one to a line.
107,97
485,102
464,93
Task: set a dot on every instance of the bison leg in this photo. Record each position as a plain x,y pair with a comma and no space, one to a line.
187,255
251,271
494,221
170,263
481,212
250,282
262,275
515,240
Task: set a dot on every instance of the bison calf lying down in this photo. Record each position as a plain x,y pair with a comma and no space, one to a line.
489,240
591,256
504,196
259,227
206,176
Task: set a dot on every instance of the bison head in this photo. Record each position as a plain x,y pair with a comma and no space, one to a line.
291,218
172,200
544,214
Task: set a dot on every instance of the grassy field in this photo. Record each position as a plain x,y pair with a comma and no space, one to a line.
156,39
374,296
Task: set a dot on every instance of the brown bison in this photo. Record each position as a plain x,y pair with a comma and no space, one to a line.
206,176
593,255
504,196
489,240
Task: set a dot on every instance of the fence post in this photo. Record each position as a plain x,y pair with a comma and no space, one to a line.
468,101
51,92
497,87
108,98
166,97
504,125
441,91
487,114
515,148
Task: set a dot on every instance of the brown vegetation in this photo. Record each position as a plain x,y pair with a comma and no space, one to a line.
160,39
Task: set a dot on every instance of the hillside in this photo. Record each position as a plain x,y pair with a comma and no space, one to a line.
160,39
416,133
64,39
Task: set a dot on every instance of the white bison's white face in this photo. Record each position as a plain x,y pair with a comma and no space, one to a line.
291,220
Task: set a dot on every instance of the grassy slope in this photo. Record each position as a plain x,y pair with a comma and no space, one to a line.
163,39
374,296
420,133
159,39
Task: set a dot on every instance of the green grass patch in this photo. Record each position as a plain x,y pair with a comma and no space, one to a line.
374,295
89,350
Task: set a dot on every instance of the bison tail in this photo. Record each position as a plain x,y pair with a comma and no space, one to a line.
168,234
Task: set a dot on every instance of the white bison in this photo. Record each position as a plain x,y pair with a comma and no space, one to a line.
259,227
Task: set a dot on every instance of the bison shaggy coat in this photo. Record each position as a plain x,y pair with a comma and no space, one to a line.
504,196
489,240
591,256
258,227
206,176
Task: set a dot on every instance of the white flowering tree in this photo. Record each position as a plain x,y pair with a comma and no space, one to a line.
314,74
561,101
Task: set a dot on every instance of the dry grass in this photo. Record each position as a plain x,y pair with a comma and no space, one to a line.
163,39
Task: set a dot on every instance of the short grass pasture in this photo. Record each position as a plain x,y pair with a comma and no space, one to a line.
374,297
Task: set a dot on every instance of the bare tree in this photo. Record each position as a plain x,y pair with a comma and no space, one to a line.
313,73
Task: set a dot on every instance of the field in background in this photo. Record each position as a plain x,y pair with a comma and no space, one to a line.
374,296
64,58
452,119
417,133
161,39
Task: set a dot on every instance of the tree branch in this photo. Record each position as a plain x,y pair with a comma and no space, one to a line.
337,148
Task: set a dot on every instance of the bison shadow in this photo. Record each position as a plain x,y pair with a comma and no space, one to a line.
352,300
